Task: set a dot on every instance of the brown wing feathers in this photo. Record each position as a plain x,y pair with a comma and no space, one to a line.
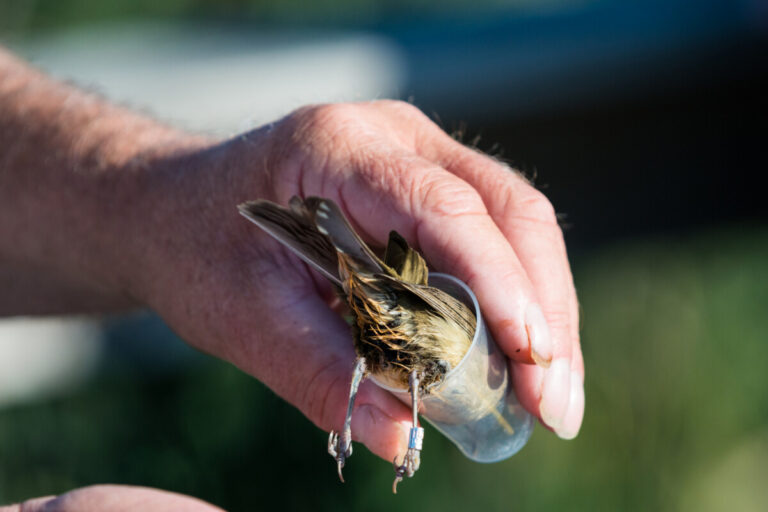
295,228
316,229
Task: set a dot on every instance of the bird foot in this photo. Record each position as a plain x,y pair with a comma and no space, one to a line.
340,448
410,465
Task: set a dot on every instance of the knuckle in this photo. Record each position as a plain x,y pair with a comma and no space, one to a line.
533,205
400,107
310,138
558,318
438,192
327,117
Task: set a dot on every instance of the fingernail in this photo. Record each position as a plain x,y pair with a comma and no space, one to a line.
538,335
555,393
575,414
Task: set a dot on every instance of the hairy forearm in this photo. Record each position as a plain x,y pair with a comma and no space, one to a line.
73,177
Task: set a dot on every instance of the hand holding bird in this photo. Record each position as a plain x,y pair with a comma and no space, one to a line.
406,334
232,291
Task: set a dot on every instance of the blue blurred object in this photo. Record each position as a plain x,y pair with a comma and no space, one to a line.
522,62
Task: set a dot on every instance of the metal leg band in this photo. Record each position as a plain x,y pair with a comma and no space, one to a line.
416,438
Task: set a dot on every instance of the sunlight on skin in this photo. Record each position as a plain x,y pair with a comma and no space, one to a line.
230,290
115,498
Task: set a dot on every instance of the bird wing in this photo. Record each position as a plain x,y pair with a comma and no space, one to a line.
408,263
443,303
296,229
331,221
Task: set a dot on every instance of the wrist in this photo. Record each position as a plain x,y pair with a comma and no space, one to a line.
72,170
185,220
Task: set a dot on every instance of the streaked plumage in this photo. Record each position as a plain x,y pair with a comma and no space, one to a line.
400,323
407,334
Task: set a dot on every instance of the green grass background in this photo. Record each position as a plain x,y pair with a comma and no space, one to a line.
675,338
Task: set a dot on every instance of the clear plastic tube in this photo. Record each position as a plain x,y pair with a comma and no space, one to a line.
475,406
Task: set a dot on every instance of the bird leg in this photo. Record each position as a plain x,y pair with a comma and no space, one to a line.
412,459
340,446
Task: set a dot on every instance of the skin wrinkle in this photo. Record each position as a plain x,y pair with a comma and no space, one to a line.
451,266
337,191
502,187
413,115
374,162
391,182
318,397
445,195
339,138
525,226
317,127
369,412
365,235
359,198
284,156
558,319
537,208
322,170
370,207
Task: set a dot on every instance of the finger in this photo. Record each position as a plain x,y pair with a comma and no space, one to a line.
565,388
33,505
382,183
117,498
444,217
527,220
575,413
528,383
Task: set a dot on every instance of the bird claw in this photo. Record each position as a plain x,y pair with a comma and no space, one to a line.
410,465
340,448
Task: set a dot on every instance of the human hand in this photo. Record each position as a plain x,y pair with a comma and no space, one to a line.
231,290
115,498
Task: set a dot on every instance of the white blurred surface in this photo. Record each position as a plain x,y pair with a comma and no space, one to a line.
219,80
40,357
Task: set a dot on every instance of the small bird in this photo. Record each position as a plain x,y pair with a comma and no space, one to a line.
407,334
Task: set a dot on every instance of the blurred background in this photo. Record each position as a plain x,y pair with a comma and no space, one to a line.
643,121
